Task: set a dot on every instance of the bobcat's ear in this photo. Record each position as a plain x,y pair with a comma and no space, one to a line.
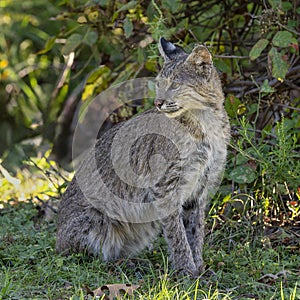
169,51
199,55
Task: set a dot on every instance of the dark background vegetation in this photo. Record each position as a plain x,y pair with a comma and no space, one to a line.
56,55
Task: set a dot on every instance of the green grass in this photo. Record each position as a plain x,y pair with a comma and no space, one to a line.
244,266
244,259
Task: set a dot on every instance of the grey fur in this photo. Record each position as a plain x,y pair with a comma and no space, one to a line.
189,98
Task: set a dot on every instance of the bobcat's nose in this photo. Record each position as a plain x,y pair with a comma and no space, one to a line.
158,103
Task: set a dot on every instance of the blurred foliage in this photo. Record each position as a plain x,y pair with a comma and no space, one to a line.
57,54
40,178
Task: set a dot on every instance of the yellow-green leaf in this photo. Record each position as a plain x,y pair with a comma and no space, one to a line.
128,27
232,104
258,48
48,46
279,66
91,38
243,174
72,43
282,39
266,88
127,6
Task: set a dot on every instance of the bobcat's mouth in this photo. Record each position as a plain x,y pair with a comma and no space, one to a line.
165,107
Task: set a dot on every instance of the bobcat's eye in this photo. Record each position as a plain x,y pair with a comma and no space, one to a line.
175,86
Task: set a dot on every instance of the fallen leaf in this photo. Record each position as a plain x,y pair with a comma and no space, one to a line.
111,291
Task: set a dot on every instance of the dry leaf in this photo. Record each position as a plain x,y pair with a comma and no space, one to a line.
112,291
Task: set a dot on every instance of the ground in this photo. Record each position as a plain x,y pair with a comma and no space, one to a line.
243,261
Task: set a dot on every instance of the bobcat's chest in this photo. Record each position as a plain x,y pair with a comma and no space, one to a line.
204,164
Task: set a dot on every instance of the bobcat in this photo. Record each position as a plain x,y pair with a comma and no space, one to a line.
189,144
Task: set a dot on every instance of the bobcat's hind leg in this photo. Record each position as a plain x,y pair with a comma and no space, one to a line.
79,229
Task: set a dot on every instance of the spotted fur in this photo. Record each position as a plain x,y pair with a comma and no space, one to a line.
188,93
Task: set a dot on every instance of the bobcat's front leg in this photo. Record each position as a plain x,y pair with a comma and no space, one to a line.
193,218
176,238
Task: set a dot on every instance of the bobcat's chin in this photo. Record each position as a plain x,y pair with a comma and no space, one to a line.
171,112
169,108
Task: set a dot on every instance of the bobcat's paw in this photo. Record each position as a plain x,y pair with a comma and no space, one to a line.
190,271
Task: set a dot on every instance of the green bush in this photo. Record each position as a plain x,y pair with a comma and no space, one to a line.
57,55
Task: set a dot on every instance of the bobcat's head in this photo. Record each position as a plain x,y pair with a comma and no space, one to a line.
187,82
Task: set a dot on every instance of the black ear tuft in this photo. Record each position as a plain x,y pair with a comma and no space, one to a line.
169,51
